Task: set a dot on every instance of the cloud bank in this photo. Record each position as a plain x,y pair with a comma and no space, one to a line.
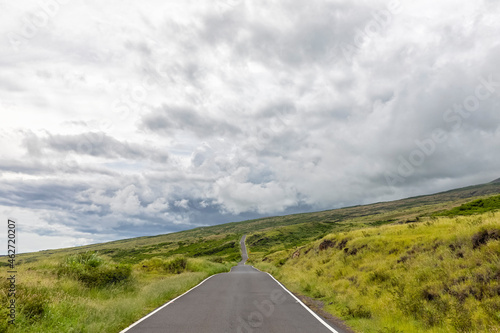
122,119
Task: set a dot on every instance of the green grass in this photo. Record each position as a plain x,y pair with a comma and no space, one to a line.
227,246
474,207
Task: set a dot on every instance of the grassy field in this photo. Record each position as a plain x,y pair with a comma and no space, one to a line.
106,287
437,274
84,290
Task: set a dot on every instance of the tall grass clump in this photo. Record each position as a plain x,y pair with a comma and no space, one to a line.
176,265
92,271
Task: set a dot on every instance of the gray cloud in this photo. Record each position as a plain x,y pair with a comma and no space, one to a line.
159,117
168,120
95,144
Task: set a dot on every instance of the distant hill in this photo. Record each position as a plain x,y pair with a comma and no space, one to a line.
316,223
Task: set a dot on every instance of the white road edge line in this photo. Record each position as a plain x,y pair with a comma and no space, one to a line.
305,306
298,300
164,305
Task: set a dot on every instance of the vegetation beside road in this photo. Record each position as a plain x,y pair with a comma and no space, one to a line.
107,290
437,274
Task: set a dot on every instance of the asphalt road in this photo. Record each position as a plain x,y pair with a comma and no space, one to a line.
244,300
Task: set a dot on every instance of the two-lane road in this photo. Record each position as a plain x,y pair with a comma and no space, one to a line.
244,300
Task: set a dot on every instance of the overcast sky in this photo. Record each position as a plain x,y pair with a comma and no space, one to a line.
125,118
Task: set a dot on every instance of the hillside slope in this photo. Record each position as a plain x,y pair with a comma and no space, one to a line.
431,274
323,222
441,275
105,287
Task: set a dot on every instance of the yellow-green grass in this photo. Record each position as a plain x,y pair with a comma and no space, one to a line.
84,290
48,302
435,275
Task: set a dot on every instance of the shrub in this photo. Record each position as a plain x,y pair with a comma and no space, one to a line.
88,259
92,271
173,266
176,266
32,305
153,264
105,276
219,260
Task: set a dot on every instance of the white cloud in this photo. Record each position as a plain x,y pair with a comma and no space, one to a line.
184,203
124,118
157,206
126,201
267,198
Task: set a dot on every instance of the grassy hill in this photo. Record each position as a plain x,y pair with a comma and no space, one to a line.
434,275
342,254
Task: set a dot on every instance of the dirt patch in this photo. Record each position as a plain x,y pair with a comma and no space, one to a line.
317,307
326,244
354,250
483,237
342,243
404,259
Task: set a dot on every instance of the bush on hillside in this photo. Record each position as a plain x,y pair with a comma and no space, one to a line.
92,271
176,266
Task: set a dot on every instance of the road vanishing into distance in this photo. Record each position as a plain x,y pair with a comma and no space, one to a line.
244,300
